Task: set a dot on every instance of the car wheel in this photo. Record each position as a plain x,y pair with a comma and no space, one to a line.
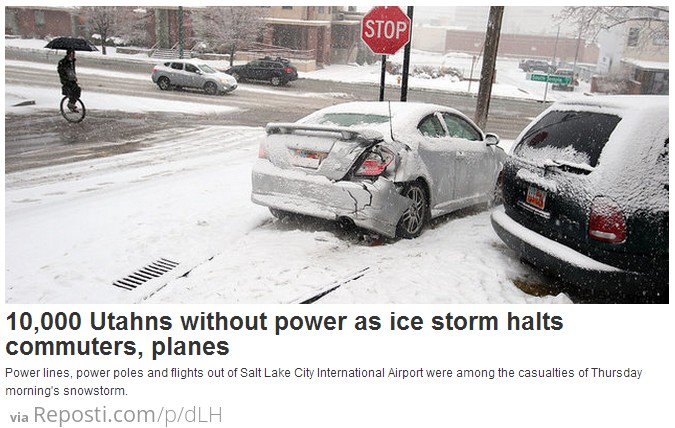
210,88
412,221
275,81
164,83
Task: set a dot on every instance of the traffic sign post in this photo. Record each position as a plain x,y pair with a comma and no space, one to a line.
385,29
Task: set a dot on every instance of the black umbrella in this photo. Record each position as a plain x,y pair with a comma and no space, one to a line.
73,43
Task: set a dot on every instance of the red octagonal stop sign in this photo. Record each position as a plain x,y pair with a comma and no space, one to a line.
385,29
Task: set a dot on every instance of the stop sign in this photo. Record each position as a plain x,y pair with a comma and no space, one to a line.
385,29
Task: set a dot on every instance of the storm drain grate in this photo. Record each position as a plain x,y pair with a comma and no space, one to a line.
145,274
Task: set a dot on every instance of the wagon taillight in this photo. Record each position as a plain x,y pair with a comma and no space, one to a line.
607,222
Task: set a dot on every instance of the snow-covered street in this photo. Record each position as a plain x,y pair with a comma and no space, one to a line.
71,231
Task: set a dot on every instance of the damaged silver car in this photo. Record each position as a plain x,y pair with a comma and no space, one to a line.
388,167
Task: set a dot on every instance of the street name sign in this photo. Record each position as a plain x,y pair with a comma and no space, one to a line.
551,78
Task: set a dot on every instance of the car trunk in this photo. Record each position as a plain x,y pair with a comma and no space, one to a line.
553,203
317,150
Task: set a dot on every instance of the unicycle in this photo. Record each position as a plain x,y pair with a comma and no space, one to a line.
73,116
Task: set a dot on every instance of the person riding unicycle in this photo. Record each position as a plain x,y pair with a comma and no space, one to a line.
69,88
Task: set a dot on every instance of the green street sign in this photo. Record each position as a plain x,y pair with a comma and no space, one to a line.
561,80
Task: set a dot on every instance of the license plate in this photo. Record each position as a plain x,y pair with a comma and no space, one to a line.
308,159
536,197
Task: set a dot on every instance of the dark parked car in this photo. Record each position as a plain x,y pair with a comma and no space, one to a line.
277,71
385,167
531,65
567,74
585,193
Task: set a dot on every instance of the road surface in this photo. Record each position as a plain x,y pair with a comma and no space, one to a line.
44,138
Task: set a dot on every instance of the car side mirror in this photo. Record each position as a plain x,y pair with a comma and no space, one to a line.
491,139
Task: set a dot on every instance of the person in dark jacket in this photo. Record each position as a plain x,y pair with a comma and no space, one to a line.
69,86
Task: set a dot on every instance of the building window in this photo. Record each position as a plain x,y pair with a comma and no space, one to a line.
40,18
660,39
633,37
287,7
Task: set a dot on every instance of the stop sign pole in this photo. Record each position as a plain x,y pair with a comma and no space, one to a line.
406,62
385,29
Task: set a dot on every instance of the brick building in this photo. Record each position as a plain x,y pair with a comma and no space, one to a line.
42,22
329,34
443,40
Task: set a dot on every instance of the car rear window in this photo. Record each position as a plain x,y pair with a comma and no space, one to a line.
571,136
350,119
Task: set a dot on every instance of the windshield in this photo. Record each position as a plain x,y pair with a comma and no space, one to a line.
570,136
206,69
349,119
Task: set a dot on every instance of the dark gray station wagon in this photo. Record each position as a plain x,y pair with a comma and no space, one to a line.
586,195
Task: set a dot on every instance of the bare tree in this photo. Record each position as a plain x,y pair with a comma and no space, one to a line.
132,24
116,21
100,20
590,20
229,28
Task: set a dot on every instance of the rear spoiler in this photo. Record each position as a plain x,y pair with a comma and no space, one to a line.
365,135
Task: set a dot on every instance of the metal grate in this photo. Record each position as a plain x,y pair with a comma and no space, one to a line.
145,274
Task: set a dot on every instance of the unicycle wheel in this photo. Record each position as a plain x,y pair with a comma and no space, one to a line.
73,116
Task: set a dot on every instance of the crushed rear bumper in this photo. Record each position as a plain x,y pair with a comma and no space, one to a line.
373,205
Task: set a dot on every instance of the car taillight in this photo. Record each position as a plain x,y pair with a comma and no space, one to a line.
288,70
607,222
375,163
261,151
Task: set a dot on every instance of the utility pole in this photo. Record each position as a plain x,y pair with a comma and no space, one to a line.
553,63
494,29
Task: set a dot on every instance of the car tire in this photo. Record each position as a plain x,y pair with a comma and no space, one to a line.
276,81
413,220
210,88
164,83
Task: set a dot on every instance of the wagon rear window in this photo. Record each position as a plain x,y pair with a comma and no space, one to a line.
572,136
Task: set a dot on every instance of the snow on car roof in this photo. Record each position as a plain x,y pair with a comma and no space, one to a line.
383,108
625,103
405,115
